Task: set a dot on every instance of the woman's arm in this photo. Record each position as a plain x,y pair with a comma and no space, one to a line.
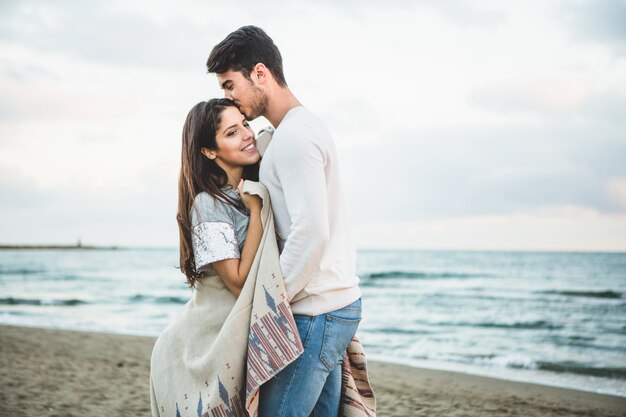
234,271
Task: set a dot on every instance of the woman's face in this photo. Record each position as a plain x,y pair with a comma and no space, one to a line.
236,145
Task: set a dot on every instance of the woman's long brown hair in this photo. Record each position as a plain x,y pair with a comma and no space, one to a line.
199,173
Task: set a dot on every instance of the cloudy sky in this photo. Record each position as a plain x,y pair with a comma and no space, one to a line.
460,124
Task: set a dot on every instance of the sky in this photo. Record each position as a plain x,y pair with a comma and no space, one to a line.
480,125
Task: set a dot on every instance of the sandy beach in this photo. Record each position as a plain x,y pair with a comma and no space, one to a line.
66,373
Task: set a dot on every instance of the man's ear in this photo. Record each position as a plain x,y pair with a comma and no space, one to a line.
208,153
260,73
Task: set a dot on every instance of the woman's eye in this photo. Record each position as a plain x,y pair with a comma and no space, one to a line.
232,132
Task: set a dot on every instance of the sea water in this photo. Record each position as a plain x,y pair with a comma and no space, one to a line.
544,317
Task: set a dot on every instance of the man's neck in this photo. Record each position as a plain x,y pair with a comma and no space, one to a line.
279,104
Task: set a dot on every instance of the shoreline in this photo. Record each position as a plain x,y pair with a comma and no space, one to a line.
500,374
68,372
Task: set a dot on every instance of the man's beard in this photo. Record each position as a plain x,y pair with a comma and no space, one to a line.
258,104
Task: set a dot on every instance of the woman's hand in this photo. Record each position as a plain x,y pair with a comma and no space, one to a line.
235,271
252,202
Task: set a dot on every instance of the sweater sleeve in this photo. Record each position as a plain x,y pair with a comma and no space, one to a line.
300,167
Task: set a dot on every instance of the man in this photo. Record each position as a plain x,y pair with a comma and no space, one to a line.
300,170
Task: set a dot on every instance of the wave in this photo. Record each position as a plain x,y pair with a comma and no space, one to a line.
141,298
397,330
581,369
416,275
525,362
19,271
538,324
41,274
40,302
589,343
589,294
572,340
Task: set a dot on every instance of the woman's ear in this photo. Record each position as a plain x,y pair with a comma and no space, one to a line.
208,153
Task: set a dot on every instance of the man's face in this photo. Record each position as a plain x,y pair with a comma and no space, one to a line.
250,99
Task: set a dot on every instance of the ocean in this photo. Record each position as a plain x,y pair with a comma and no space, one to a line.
544,317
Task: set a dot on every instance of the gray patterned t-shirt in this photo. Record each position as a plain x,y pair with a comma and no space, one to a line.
218,230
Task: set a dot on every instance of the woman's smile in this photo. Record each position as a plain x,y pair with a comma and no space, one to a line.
250,148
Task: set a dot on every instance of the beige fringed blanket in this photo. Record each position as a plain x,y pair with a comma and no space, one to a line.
211,361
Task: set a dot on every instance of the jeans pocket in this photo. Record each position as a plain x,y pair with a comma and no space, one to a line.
338,332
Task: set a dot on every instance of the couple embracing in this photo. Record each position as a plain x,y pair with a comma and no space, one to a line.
270,329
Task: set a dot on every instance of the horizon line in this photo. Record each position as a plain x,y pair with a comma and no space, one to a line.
401,249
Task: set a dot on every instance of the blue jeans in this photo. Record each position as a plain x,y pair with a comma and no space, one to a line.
311,385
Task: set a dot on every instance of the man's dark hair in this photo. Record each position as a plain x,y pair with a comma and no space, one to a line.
243,49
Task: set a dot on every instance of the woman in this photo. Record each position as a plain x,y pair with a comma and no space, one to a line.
219,226
237,331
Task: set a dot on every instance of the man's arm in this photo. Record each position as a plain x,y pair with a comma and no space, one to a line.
300,168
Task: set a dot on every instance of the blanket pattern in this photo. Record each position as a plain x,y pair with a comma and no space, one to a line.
213,358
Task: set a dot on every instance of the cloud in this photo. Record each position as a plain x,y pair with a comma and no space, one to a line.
606,105
552,99
554,228
107,33
484,171
599,21
531,95
97,215
460,12
21,192
616,191
472,114
483,14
